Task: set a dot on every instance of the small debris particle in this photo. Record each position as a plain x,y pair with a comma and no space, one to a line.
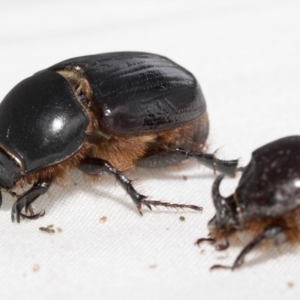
36,267
103,219
290,284
46,229
59,229
152,266
222,256
184,177
167,228
182,218
50,226
202,251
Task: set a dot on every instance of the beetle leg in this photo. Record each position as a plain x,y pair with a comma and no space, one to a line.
218,247
201,240
96,166
148,203
32,215
228,167
271,233
25,200
223,246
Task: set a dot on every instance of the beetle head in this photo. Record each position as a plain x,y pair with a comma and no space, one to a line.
225,218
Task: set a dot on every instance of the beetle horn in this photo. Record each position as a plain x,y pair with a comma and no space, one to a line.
225,207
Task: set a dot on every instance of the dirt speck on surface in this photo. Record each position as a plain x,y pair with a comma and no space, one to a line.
103,219
36,268
59,229
50,229
46,229
152,266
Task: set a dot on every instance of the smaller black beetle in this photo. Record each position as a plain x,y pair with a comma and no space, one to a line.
266,202
101,113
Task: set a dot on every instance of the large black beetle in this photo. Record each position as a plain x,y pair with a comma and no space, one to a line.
101,113
266,202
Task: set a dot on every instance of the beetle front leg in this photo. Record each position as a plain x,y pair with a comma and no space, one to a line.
26,199
219,247
271,233
97,166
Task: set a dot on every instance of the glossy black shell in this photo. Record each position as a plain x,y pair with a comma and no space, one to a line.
41,122
138,92
270,184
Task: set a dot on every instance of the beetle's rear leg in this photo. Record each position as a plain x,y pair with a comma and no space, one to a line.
97,166
174,156
272,233
26,199
227,167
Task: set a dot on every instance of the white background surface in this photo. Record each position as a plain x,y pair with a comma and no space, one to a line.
245,55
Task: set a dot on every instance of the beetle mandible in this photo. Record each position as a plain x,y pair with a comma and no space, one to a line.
266,202
101,113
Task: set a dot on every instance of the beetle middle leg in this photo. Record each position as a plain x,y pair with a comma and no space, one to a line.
173,156
26,199
97,166
272,233
227,167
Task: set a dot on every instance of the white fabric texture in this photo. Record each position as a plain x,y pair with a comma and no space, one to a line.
245,55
